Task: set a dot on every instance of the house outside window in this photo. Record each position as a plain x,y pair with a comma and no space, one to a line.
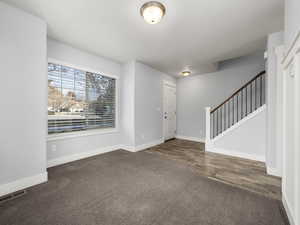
79,100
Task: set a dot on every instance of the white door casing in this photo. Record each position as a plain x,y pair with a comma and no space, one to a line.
279,51
169,114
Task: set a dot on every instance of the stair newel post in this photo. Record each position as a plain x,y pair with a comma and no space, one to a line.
207,139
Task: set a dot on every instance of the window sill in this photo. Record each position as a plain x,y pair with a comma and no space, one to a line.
54,137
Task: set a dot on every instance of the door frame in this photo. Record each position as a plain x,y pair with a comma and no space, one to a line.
173,85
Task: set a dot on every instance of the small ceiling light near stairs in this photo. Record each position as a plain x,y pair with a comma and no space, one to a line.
186,73
153,12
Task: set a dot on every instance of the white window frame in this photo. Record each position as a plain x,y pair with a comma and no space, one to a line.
100,131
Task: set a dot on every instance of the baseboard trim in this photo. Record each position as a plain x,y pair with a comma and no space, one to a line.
83,155
191,138
128,148
236,154
143,146
273,172
149,145
23,183
288,209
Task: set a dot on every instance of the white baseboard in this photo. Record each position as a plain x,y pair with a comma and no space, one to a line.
236,154
143,146
78,156
191,138
128,148
23,183
148,145
288,209
273,172
83,155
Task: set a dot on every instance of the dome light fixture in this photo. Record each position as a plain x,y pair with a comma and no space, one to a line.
186,73
153,12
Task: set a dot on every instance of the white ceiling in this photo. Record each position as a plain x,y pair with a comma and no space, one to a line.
195,33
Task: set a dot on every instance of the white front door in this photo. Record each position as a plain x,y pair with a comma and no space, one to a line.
169,111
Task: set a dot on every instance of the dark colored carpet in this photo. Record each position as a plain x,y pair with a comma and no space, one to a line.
122,188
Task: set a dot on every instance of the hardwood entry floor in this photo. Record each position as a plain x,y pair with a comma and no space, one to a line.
242,173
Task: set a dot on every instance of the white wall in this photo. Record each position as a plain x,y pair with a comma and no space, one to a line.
148,104
247,139
23,99
128,103
292,21
143,117
197,92
64,148
274,40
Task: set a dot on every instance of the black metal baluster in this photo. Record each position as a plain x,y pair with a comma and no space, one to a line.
228,114
216,131
232,111
246,100
225,116
242,107
210,123
217,121
213,126
217,124
261,90
251,97
237,107
222,119
213,130
255,85
218,116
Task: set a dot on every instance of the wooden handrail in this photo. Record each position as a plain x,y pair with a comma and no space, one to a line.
245,85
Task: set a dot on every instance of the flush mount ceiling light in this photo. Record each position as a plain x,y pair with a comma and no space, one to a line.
186,73
153,12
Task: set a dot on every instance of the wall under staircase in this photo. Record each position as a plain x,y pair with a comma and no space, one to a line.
237,126
246,139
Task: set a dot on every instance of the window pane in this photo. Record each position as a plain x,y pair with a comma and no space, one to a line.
67,76
79,100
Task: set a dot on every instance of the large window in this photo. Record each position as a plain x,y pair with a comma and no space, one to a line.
79,100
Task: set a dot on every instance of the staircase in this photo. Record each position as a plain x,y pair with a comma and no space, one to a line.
239,110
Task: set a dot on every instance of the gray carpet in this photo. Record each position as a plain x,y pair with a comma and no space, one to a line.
122,188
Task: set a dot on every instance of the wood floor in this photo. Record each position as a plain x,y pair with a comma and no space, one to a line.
243,173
